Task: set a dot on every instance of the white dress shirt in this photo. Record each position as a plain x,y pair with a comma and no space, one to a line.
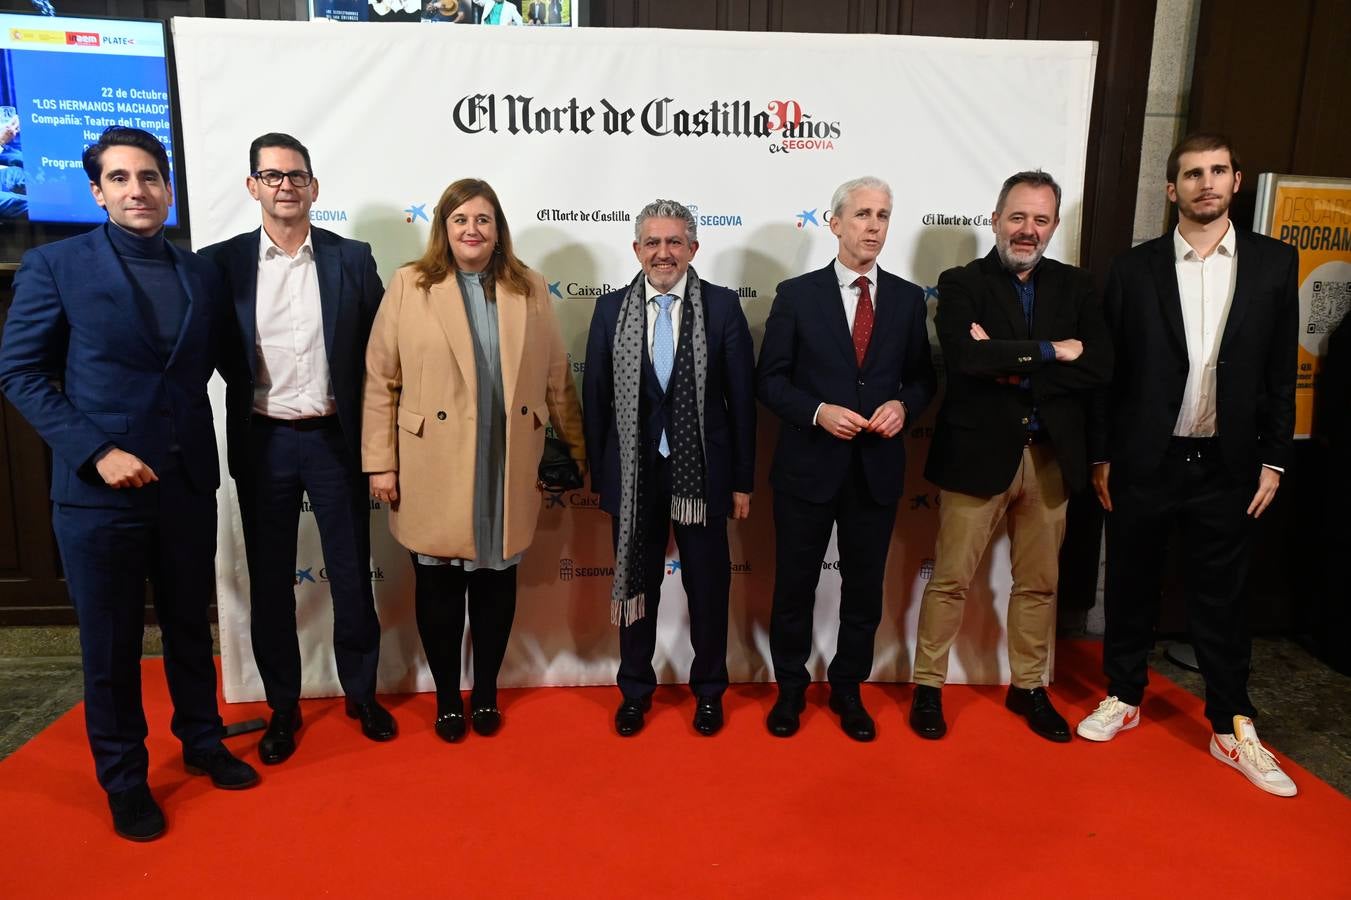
293,380
1206,288
654,310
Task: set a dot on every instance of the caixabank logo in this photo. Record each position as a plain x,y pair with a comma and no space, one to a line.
783,125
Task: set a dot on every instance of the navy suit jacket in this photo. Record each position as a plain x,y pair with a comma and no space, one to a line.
1134,417
807,358
349,294
79,362
729,401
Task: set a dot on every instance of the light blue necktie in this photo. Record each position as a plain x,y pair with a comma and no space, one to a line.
663,352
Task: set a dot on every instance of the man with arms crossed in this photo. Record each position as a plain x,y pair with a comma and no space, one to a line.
1024,343
1194,432
669,413
304,299
845,364
107,351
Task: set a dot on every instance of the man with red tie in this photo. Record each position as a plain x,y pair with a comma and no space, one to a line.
845,364
1024,343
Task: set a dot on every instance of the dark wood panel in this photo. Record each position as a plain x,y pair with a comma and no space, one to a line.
948,18
1322,143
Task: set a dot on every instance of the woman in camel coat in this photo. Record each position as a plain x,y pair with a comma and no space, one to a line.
464,369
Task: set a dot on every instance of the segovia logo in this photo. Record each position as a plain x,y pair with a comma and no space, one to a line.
567,570
416,212
707,220
328,215
784,122
926,569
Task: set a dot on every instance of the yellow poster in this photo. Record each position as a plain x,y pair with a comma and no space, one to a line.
1313,215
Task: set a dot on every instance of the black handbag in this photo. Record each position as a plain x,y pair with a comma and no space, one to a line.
558,471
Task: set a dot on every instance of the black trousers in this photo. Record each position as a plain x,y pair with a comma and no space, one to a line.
439,601
284,463
706,574
108,554
802,533
1194,493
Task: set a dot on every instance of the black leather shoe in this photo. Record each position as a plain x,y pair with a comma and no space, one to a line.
227,771
450,726
708,716
629,716
783,717
279,741
1035,705
486,720
376,722
926,712
854,719
136,815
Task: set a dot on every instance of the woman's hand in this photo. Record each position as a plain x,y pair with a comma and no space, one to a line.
385,487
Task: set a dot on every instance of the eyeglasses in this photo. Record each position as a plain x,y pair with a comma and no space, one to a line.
272,178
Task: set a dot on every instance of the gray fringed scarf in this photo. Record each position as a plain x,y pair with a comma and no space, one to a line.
685,433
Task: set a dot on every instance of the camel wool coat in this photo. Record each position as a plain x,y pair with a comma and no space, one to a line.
421,406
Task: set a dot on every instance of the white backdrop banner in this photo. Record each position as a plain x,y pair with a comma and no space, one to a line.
577,130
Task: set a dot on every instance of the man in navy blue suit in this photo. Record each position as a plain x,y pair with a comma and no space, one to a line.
845,364
109,345
669,415
304,299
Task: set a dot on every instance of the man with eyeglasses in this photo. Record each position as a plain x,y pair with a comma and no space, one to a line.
304,300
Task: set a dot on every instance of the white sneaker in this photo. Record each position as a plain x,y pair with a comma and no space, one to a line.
1245,752
1110,717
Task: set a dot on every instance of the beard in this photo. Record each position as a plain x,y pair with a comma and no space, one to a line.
1189,210
1017,260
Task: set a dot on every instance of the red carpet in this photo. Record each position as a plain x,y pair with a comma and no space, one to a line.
558,805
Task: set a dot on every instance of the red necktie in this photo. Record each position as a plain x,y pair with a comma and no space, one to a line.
863,319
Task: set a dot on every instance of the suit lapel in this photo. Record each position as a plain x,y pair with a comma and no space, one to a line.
1001,283
1048,287
107,271
1165,283
884,318
836,322
328,265
447,305
195,291
1245,260
244,267
512,311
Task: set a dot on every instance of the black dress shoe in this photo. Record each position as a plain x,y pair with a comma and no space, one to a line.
227,771
854,719
136,815
450,726
1035,705
279,741
376,722
926,712
783,717
708,716
629,716
486,719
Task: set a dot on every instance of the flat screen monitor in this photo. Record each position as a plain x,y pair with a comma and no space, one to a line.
62,81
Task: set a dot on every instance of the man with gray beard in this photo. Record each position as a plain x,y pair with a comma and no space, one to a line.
1024,343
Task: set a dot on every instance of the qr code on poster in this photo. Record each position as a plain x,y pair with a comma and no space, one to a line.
1330,302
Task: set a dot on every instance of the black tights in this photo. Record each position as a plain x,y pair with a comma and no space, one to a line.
439,598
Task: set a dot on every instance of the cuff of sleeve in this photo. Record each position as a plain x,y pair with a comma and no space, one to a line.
1047,351
1280,469
817,413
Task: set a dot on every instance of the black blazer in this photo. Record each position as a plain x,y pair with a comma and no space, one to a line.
979,438
1255,402
349,294
729,401
807,358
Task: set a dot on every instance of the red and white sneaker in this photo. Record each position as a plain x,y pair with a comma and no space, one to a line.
1111,717
1243,751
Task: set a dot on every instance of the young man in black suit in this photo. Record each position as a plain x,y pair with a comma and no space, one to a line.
845,364
1024,344
1195,432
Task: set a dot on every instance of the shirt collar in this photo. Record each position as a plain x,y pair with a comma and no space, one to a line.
847,276
1183,250
268,249
678,289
